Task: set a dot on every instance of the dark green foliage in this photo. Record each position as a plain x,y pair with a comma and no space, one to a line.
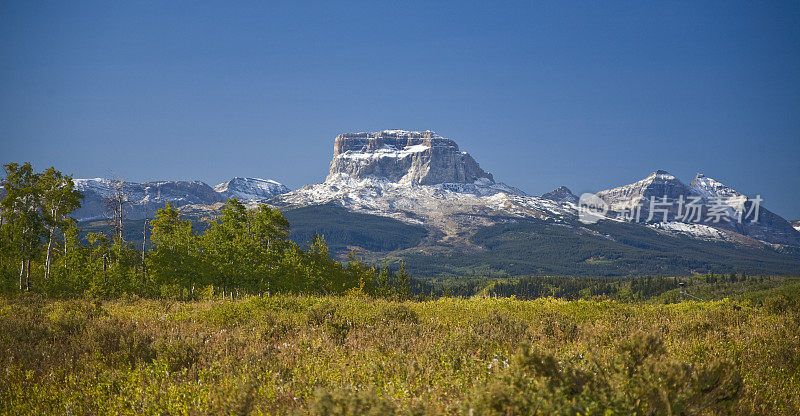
604,249
633,288
344,229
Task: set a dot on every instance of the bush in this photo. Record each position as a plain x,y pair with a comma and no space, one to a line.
500,327
321,313
178,353
397,313
345,402
120,342
637,379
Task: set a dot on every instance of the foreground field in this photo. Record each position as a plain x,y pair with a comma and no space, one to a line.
348,355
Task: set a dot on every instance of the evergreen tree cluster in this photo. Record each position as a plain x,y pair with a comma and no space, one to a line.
571,288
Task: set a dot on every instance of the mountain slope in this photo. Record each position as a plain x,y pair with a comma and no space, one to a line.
250,188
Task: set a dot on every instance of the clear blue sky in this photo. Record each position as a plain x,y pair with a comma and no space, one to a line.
589,95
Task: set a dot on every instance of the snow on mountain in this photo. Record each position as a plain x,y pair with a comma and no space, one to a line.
144,199
250,188
419,177
450,208
423,178
710,195
711,188
693,230
407,157
658,184
401,174
561,194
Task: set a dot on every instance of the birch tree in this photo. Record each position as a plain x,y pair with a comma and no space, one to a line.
58,199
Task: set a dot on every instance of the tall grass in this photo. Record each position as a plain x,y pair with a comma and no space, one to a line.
351,355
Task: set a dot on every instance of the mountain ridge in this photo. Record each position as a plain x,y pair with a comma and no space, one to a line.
145,198
460,217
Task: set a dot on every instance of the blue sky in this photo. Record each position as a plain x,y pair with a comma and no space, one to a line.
585,94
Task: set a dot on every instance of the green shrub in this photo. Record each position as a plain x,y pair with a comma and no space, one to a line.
638,378
398,314
500,327
321,313
345,402
178,352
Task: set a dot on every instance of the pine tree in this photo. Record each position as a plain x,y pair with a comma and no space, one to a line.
403,282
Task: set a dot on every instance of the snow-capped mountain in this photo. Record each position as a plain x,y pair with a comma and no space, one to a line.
250,188
147,197
710,188
423,178
658,184
462,221
405,157
719,210
561,194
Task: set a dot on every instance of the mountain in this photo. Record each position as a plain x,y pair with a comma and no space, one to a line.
796,224
404,157
657,185
147,197
561,194
720,211
478,226
420,178
250,188
416,196
423,178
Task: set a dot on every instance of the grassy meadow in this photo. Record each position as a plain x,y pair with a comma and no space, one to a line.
352,355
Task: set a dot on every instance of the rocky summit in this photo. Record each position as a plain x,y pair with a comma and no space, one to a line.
405,157
561,194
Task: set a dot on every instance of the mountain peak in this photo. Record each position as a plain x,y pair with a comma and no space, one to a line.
404,157
711,188
657,184
561,194
250,188
660,173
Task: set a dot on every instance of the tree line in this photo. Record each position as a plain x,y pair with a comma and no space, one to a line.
242,251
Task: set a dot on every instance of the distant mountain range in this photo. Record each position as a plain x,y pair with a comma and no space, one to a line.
415,195
147,197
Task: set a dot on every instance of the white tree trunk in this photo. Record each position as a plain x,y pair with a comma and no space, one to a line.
49,254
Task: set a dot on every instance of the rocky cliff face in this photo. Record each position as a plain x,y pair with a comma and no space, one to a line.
404,157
